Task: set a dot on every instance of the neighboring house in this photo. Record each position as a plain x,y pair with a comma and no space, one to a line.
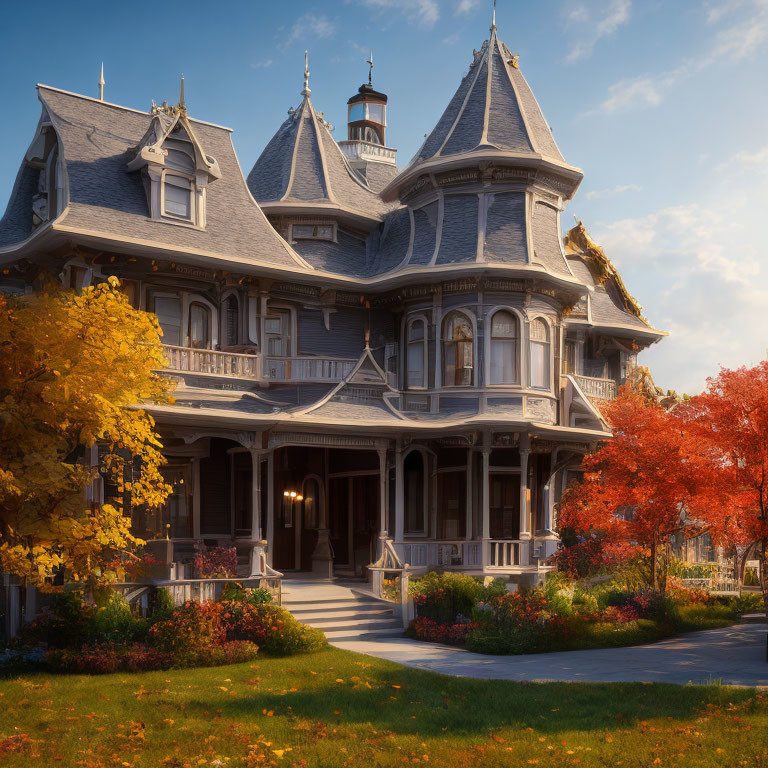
367,358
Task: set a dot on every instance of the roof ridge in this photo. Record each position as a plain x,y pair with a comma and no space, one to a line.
123,107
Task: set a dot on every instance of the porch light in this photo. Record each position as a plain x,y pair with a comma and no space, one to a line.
289,498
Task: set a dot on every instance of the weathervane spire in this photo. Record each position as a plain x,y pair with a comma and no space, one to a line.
307,90
182,105
493,18
101,83
370,69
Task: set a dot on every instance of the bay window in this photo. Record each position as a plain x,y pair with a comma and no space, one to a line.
458,349
504,336
540,354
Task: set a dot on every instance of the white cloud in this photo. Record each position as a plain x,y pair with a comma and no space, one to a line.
576,13
312,26
745,35
263,64
748,162
451,39
683,265
422,12
619,189
466,6
615,15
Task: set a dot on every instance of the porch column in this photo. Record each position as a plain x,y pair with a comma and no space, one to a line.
468,511
270,505
486,492
399,496
256,454
383,533
549,491
525,532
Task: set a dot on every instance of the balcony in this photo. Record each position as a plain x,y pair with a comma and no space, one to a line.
367,150
600,389
209,362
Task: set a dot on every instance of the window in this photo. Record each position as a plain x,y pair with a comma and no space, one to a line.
457,351
376,113
199,326
230,321
539,332
312,232
356,112
504,335
311,504
168,311
178,197
416,353
277,330
414,488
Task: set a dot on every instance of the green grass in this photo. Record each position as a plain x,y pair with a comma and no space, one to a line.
336,708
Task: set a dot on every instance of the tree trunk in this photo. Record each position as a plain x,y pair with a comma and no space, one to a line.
654,572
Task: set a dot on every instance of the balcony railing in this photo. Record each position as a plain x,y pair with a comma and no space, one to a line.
307,368
212,362
257,367
602,389
354,149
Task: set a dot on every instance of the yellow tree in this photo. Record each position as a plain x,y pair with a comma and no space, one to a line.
73,367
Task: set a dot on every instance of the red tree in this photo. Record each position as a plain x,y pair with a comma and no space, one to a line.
729,424
636,484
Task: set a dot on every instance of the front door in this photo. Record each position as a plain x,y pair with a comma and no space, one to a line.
505,506
353,515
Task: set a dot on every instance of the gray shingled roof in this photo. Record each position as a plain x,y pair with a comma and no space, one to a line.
493,108
303,164
97,140
16,224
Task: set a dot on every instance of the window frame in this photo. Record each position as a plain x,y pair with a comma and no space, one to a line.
425,353
209,327
446,318
191,219
225,298
315,224
519,356
292,330
549,349
154,296
424,530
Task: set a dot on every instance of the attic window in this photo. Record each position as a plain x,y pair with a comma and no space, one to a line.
313,232
177,197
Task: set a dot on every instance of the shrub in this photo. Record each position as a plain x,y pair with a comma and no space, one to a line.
101,659
190,632
231,652
64,623
113,620
216,563
443,596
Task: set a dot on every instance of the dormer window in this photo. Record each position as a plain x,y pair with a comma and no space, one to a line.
326,231
177,197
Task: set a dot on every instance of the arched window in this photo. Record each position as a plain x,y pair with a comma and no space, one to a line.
458,345
416,354
231,321
504,336
199,326
414,491
540,354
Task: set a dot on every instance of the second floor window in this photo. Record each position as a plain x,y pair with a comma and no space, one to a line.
230,321
277,332
199,326
458,344
540,354
416,354
504,336
168,311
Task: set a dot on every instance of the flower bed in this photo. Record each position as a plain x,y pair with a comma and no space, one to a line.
73,636
560,615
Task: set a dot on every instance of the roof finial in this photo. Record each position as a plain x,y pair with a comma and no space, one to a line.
493,18
101,83
182,105
370,69
307,90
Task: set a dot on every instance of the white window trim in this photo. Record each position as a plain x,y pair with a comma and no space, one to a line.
550,330
189,298
294,329
440,374
192,197
420,318
522,372
332,224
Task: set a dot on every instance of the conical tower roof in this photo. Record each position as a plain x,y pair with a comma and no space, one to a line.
493,115
302,169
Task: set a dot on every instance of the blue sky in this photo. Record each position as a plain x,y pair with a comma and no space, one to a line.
663,103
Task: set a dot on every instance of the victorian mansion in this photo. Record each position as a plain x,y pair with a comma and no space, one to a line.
369,357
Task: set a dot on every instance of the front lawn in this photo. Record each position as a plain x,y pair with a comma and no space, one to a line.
335,708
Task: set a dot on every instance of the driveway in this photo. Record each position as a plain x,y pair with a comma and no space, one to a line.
732,656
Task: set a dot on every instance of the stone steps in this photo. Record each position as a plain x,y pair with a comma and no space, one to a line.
342,612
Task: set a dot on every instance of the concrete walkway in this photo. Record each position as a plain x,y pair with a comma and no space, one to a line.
732,656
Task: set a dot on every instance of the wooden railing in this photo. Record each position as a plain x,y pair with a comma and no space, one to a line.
354,148
503,553
307,368
443,554
257,367
602,389
210,361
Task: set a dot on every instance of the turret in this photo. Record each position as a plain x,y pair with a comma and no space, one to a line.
367,127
